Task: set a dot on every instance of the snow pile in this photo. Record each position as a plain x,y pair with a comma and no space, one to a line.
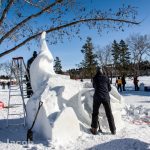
67,104
137,114
142,86
117,104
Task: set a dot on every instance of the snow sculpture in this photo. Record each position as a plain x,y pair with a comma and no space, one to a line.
42,67
67,104
142,86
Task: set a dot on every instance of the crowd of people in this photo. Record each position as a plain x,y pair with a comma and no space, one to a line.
121,82
4,84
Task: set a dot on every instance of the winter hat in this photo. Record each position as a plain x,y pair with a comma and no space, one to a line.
99,69
34,54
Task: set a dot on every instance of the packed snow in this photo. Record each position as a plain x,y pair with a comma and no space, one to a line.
64,119
135,134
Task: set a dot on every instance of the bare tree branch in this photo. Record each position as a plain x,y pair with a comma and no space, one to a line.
139,47
27,19
5,11
64,26
35,5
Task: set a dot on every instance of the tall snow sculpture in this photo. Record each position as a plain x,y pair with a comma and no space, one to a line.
55,121
42,67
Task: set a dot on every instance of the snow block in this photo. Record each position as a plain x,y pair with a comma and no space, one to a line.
142,87
42,126
66,127
115,93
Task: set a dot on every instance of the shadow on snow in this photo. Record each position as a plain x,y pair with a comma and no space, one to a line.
18,134
122,144
134,93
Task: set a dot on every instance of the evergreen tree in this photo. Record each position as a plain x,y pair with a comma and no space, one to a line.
89,63
115,54
121,56
124,56
57,66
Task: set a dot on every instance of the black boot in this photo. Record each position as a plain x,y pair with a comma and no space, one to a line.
93,131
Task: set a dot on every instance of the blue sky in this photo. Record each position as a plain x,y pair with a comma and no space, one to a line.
70,51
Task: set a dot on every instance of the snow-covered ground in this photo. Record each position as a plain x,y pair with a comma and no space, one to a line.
134,136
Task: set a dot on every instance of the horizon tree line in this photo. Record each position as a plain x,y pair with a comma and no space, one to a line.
126,57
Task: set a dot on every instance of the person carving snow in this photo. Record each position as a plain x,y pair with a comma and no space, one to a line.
102,88
29,62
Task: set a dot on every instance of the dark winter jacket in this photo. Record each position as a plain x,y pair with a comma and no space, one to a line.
135,80
30,62
123,80
102,87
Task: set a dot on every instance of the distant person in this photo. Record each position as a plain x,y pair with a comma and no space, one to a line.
8,84
3,85
29,62
119,84
123,82
135,81
102,87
